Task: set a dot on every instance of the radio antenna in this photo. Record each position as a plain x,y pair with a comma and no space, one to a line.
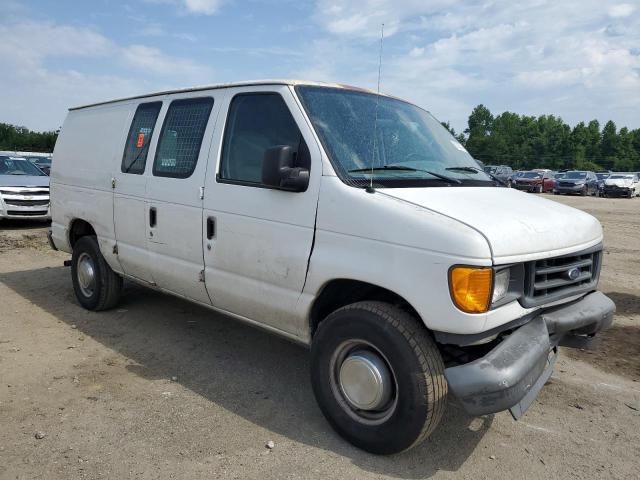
375,122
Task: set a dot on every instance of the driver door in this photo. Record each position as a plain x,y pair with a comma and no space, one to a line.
258,239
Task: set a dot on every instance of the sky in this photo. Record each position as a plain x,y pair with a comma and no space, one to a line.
577,59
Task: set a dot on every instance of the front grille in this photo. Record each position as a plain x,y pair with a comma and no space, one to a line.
549,280
567,184
28,213
24,190
27,203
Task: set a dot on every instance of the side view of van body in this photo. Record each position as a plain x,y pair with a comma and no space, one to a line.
345,220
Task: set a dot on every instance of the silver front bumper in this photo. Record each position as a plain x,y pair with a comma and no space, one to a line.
24,202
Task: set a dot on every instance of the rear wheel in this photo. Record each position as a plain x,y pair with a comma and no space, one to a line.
378,377
96,286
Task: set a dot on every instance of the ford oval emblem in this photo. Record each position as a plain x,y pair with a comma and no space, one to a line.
573,274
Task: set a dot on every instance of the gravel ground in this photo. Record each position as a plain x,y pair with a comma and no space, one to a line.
160,388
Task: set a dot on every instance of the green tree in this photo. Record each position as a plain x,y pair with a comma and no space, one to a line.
21,138
478,133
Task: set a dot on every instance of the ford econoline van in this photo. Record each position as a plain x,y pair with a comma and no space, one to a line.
346,220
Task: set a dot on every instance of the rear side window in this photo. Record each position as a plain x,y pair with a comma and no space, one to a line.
255,123
134,158
181,137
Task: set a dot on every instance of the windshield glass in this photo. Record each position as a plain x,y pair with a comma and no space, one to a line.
613,177
531,174
575,175
19,166
402,143
602,176
40,160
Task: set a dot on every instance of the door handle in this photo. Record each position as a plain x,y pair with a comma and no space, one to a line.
211,227
153,217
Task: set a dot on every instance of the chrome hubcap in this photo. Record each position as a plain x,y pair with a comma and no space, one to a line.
365,380
86,275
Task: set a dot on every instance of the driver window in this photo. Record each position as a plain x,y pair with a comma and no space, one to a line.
256,122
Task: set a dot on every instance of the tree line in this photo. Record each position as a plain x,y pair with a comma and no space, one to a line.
520,141
526,142
23,139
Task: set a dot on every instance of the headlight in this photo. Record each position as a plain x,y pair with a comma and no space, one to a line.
579,184
500,285
470,288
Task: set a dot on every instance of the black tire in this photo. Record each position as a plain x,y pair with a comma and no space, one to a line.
107,287
415,365
539,189
584,191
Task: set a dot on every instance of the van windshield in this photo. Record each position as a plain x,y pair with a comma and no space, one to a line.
388,142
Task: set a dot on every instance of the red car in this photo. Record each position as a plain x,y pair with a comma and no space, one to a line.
534,181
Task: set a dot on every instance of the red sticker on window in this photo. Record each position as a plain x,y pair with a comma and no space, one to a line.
140,142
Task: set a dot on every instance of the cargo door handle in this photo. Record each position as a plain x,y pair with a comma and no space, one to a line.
211,227
153,217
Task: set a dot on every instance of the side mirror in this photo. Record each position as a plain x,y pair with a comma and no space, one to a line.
278,169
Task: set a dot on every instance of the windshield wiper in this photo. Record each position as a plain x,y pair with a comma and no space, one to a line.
477,170
406,169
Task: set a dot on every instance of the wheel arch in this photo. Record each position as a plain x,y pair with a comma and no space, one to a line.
339,292
78,228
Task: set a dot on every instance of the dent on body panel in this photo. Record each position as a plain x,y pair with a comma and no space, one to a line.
258,252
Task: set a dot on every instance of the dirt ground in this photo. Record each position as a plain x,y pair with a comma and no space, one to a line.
160,388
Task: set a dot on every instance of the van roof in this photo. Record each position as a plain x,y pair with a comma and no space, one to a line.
229,85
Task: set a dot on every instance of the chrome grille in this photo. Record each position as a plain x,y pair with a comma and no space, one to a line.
27,203
555,278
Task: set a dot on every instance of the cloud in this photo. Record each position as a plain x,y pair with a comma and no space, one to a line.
195,7
152,60
621,10
204,7
575,58
36,92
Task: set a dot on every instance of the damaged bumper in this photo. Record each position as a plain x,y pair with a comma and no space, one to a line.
511,375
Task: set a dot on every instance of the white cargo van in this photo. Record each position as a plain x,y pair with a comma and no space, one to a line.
348,221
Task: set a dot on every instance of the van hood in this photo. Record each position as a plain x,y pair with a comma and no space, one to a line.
23,181
518,226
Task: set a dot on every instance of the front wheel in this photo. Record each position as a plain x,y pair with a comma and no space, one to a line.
378,377
96,286
539,189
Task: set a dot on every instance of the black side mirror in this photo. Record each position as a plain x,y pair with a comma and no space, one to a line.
278,169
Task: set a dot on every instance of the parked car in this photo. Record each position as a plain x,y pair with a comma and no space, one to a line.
622,185
534,181
43,163
262,200
502,172
557,176
602,176
577,181
24,190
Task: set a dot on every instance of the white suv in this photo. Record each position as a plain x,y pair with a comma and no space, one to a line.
345,220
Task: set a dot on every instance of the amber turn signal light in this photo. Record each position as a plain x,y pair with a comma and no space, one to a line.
471,288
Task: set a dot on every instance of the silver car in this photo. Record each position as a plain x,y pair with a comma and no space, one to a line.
24,190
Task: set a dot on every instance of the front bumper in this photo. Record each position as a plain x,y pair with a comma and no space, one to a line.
25,203
511,374
617,191
529,187
572,189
